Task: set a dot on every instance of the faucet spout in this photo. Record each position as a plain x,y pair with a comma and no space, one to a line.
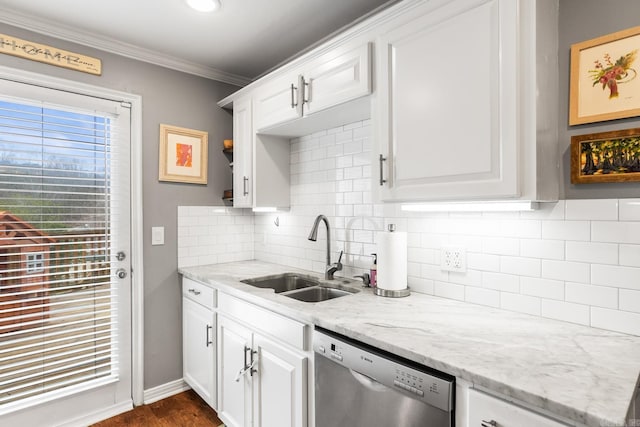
313,236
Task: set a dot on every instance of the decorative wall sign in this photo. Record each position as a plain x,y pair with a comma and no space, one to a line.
604,78
183,155
606,157
49,55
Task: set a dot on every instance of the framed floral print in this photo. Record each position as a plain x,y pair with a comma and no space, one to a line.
604,78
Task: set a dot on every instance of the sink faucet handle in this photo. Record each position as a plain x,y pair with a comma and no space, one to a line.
340,256
366,280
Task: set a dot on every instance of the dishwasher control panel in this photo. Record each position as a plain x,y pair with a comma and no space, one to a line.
386,370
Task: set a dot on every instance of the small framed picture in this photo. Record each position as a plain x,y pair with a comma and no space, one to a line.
183,155
604,78
606,157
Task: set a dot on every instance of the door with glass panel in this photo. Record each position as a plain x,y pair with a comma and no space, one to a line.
65,311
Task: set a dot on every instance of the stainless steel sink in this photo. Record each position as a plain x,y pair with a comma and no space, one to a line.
283,282
302,287
318,293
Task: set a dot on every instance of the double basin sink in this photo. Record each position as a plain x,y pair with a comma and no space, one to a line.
302,287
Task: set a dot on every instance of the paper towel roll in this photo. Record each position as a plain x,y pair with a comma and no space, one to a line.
392,260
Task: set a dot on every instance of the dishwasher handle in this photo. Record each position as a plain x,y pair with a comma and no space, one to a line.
367,381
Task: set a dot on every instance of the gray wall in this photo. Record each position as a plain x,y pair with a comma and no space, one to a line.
582,20
167,97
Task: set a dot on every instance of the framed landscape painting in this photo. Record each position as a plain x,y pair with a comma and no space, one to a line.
606,157
604,78
183,155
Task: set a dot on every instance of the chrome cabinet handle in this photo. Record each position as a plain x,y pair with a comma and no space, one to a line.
209,342
193,291
491,423
382,159
294,104
253,363
245,183
305,91
247,367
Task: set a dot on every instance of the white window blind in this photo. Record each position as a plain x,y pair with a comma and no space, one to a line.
59,200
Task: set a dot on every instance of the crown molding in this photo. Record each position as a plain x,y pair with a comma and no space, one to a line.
114,46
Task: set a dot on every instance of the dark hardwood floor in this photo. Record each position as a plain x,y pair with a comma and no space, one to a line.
185,409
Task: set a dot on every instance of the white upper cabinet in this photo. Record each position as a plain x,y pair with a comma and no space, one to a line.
278,101
455,114
242,154
335,77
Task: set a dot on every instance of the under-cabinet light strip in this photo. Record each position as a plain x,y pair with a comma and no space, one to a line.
471,207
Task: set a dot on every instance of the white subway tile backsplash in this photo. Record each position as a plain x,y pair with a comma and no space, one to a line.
544,249
630,255
449,290
574,260
501,245
544,288
615,232
566,311
566,270
501,282
482,296
594,209
617,276
520,303
615,320
602,253
520,266
629,300
599,296
629,209
566,230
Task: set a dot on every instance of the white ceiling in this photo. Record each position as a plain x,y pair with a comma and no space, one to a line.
243,40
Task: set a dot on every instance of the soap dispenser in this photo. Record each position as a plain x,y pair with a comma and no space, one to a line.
373,271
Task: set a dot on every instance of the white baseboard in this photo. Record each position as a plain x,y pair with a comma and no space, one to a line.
99,415
165,390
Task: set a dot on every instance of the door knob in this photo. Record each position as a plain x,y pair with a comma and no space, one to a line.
121,273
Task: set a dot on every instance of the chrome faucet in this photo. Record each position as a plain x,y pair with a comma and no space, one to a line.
313,236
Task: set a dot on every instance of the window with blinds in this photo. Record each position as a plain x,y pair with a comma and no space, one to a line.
58,303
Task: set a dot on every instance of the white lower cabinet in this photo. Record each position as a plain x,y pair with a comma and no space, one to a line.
198,340
261,382
488,411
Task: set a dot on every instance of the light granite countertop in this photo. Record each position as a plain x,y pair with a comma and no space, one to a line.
584,374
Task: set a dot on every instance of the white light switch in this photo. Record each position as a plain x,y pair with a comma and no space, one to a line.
157,236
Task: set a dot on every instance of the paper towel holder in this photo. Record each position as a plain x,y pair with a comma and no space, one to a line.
390,293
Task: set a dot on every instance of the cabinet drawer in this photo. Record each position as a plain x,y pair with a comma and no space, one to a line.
287,330
199,292
483,409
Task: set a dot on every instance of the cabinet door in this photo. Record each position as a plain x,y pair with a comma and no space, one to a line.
242,154
336,78
280,386
234,345
483,409
278,101
446,110
198,332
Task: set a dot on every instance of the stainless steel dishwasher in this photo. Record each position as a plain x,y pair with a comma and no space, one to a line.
357,385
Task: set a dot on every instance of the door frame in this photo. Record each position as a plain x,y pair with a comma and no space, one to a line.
137,237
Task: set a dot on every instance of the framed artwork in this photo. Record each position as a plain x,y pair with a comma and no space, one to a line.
604,78
183,155
606,157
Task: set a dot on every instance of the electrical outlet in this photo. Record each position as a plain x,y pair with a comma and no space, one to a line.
453,258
